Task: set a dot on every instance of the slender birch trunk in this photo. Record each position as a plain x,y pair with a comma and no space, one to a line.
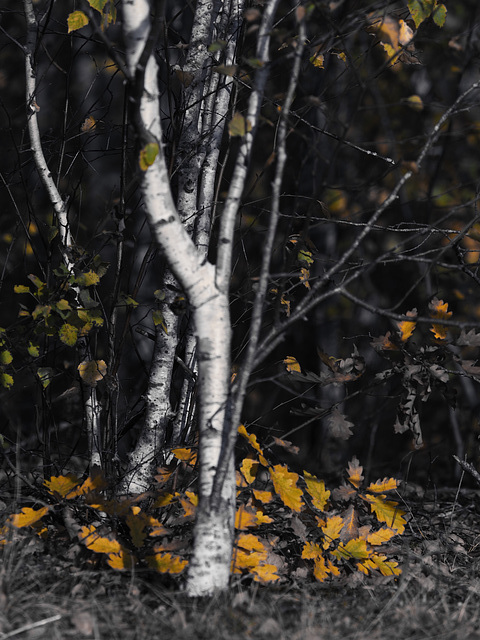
210,564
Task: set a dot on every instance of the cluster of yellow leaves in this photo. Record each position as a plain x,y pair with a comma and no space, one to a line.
340,538
106,9
336,537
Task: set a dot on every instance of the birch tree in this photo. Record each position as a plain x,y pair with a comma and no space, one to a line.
220,102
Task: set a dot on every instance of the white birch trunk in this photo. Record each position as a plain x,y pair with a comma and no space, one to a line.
210,564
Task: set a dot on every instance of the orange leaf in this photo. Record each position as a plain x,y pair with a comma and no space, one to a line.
438,310
249,469
27,517
355,470
189,503
252,439
265,573
245,518
166,563
331,530
356,548
186,455
136,521
317,491
387,484
406,327
291,364
263,496
121,560
97,543
320,569
285,483
94,482
61,484
311,551
382,535
387,511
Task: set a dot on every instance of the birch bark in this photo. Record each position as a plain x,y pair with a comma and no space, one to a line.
210,563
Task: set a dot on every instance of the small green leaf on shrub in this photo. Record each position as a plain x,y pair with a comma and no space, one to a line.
33,350
68,334
45,374
6,380
21,288
5,357
99,5
87,279
439,15
76,20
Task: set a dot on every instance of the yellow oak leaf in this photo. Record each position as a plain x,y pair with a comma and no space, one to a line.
27,517
252,439
291,364
387,511
331,530
320,569
121,560
387,484
166,563
249,469
186,455
382,535
244,518
438,311
265,573
317,491
189,503
311,550
354,471
356,548
98,543
285,483
249,542
407,327
61,485
263,496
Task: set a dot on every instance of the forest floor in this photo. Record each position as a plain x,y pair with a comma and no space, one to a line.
47,595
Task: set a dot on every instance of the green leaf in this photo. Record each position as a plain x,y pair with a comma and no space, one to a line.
45,375
148,155
36,281
159,295
68,334
87,300
439,15
238,125
21,288
420,10
128,300
226,69
33,350
5,357
76,20
98,5
158,320
305,256
87,279
63,305
6,380
218,45
90,317
41,310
